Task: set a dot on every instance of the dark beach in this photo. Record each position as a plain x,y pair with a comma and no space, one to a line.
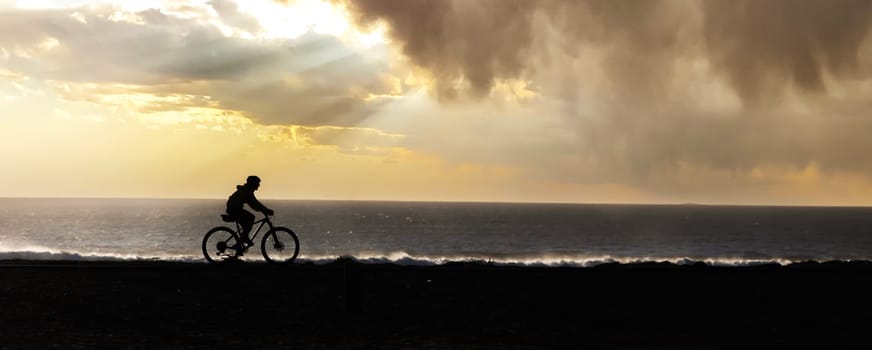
457,306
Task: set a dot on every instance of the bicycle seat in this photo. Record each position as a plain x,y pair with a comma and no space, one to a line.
227,218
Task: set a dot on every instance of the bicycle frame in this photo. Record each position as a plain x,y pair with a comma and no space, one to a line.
253,233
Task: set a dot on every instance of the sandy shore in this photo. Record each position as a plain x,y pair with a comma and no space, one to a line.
348,305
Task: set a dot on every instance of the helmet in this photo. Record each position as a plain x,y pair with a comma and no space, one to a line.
252,180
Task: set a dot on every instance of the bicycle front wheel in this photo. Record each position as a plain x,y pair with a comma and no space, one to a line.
280,246
219,244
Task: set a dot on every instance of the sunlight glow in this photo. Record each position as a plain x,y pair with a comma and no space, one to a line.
292,20
373,38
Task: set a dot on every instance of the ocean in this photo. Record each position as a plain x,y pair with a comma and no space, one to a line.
440,232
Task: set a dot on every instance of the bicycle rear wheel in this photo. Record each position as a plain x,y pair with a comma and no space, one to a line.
280,246
219,245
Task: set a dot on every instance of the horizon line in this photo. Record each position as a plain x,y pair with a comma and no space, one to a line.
456,201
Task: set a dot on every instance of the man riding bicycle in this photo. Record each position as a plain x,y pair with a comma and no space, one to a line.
245,195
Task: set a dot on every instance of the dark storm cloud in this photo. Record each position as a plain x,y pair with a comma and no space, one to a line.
633,88
311,80
759,45
476,40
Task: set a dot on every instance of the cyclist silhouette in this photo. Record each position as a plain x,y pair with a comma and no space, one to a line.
245,195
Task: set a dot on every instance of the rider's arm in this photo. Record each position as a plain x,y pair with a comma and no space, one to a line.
256,205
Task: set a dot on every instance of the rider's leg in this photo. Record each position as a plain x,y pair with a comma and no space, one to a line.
246,220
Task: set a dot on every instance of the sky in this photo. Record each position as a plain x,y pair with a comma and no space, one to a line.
718,102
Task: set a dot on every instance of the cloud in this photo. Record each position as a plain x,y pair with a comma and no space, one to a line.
474,40
139,103
763,44
94,47
230,15
758,46
348,140
9,75
314,79
646,92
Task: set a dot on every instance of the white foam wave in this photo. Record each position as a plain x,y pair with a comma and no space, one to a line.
36,253
547,260
41,253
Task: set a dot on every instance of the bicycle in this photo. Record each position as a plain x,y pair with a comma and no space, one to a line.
279,244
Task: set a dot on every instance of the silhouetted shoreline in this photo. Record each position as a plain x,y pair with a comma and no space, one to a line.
144,304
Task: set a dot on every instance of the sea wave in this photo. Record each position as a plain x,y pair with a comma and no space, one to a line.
41,253
403,258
